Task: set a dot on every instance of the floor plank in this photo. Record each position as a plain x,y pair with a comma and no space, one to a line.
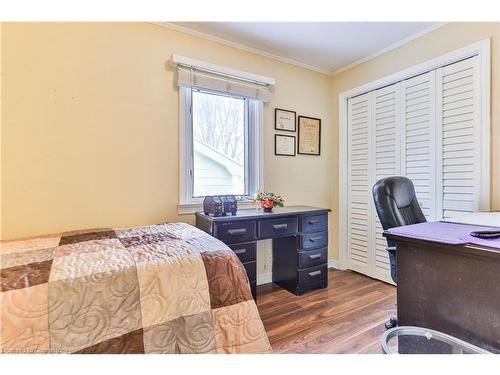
346,317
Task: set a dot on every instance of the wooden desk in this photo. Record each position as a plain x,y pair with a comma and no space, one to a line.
300,243
454,289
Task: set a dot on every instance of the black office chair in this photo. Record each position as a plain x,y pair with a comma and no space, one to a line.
396,205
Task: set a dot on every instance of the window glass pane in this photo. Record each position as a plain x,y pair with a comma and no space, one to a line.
219,134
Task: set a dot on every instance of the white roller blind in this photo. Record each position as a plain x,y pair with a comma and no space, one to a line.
359,177
221,83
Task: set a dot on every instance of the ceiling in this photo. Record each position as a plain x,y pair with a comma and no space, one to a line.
328,47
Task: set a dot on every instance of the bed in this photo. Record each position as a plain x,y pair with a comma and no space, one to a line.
167,288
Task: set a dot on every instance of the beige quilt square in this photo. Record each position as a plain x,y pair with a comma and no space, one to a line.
238,329
39,243
157,252
192,334
182,231
27,257
24,320
162,338
173,287
90,257
92,309
139,231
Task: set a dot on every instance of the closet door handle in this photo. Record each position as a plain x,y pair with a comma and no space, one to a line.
315,273
312,222
315,256
236,232
240,251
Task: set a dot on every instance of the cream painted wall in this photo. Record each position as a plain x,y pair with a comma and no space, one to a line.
445,39
90,125
90,121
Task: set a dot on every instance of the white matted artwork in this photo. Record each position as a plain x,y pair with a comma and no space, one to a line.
284,145
285,120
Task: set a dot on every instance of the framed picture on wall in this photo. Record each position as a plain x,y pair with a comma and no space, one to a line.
284,120
284,145
309,135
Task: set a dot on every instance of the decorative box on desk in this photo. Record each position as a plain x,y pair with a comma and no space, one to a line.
300,243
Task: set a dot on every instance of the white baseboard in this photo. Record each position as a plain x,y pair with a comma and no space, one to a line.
332,263
264,278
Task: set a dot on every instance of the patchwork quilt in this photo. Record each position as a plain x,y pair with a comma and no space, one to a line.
168,288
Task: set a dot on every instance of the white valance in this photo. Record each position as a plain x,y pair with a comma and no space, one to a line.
197,74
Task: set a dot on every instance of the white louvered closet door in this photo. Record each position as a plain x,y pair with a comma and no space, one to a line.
427,128
386,119
419,138
459,114
359,211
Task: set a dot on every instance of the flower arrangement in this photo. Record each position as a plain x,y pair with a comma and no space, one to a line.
268,201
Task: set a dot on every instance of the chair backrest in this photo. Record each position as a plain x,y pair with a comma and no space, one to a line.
396,202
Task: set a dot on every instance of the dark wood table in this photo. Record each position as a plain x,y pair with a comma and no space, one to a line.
300,243
454,289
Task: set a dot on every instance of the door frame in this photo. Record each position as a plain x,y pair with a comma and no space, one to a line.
481,49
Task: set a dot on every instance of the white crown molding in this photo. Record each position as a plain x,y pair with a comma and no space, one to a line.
243,47
389,48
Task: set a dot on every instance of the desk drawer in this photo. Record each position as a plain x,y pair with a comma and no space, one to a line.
277,227
312,258
313,223
251,269
312,275
245,251
313,240
235,232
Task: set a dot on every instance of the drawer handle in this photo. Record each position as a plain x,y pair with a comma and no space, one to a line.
236,232
240,251
314,239
315,256
315,273
280,226
312,222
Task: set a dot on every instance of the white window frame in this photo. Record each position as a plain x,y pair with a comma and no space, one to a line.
481,49
189,204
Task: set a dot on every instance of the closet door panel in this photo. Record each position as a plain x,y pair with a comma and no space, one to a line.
359,211
386,126
418,138
460,138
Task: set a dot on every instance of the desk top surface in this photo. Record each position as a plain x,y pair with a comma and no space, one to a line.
443,232
252,213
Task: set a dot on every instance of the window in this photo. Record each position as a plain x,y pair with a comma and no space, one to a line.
220,133
220,138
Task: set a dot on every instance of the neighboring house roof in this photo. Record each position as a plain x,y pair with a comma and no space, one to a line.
232,166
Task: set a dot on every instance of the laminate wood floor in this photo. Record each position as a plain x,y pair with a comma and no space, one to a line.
347,317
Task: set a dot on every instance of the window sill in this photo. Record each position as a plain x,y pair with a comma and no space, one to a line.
191,208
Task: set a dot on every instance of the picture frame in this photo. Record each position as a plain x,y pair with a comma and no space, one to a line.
285,120
309,136
284,145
